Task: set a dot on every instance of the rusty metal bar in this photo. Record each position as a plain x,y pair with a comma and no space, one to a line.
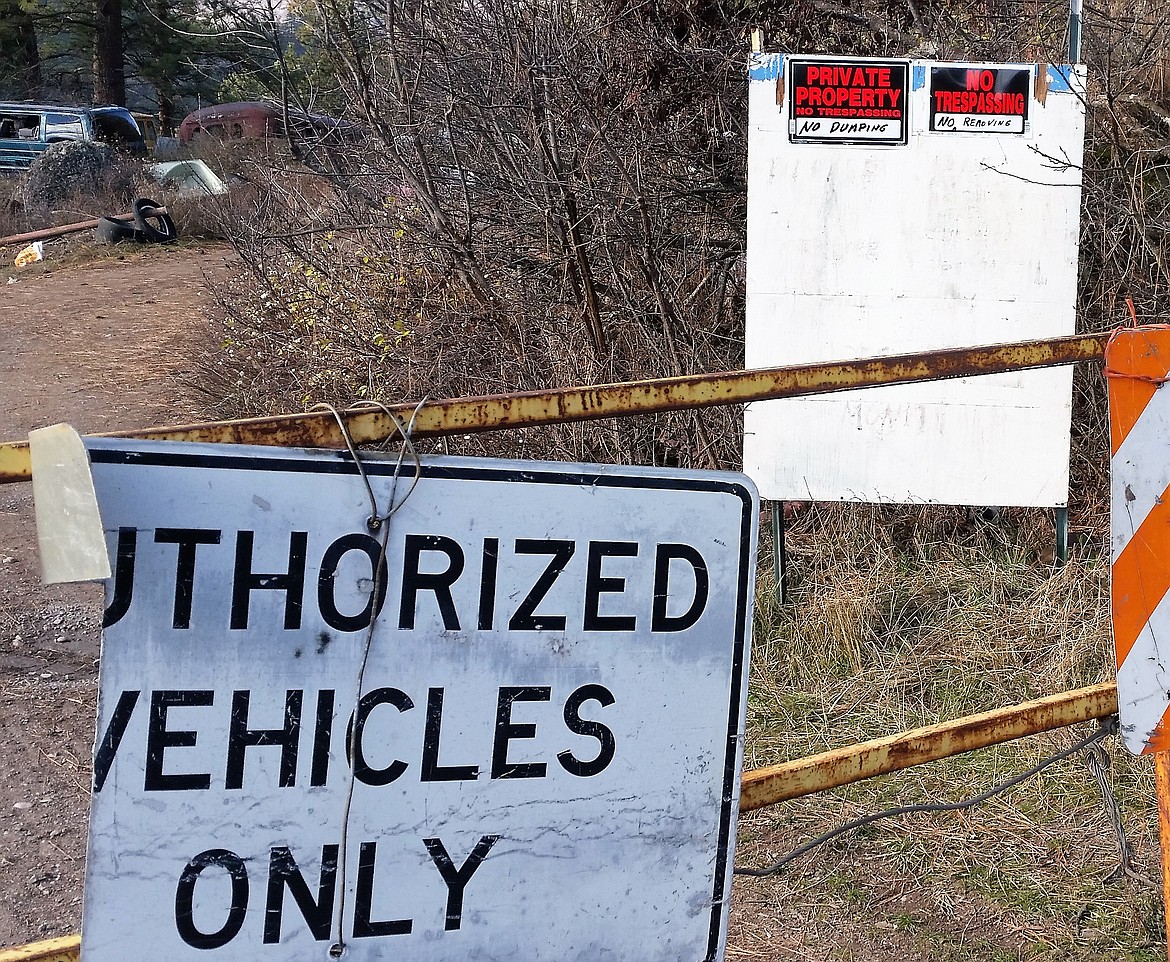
558,406
65,949
1162,790
843,766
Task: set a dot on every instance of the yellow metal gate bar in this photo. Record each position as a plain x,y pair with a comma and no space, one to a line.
561,405
843,766
65,949
762,787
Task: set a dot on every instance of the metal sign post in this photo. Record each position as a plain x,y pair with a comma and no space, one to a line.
506,722
1162,787
1074,31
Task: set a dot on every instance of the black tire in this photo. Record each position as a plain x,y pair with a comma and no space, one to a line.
155,227
110,231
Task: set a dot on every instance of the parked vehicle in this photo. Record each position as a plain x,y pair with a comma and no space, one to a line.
149,127
27,130
254,120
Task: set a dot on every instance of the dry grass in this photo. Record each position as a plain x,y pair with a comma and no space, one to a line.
900,617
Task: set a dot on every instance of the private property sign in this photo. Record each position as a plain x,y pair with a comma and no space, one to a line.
542,741
848,101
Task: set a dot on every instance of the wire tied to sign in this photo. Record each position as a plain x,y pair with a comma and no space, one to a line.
1108,726
1133,326
376,522
1097,762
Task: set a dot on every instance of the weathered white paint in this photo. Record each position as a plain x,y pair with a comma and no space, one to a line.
632,862
952,240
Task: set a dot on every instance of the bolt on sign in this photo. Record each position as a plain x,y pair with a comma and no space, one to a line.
980,99
537,757
1137,363
848,101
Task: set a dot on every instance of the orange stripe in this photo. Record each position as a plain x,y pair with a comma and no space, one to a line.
1159,740
1127,400
1141,577
1138,353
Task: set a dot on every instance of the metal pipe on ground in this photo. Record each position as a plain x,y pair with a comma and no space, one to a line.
563,405
842,766
49,232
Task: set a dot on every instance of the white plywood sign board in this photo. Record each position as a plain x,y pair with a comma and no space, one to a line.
549,734
860,245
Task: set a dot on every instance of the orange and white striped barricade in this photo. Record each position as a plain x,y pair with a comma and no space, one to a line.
1137,365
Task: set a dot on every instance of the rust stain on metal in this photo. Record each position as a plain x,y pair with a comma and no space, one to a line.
843,766
559,406
1162,790
64,949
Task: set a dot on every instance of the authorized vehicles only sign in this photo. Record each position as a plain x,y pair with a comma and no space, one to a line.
535,754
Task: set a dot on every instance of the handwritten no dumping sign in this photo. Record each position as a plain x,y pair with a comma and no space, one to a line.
848,101
546,742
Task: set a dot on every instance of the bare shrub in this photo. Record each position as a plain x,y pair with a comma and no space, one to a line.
201,216
556,192
72,169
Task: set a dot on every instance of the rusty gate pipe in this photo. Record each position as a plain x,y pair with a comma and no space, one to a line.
843,766
562,405
67,948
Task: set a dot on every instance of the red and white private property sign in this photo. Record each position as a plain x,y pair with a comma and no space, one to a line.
543,742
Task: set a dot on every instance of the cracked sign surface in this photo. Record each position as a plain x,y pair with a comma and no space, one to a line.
545,753
1137,362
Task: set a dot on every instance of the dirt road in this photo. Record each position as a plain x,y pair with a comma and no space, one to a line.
103,346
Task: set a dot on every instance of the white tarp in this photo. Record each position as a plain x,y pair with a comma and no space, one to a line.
189,176
550,726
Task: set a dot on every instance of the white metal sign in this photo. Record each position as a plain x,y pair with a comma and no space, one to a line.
543,742
966,235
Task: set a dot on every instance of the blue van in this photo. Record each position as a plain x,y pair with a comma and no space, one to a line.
27,130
